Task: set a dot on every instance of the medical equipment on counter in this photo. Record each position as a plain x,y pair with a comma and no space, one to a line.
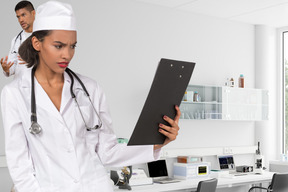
35,127
191,170
189,159
137,178
121,179
259,161
244,168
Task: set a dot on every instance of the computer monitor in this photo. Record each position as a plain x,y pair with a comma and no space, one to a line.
157,168
226,162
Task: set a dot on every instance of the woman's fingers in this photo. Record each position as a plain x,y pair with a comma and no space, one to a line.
178,114
170,135
171,132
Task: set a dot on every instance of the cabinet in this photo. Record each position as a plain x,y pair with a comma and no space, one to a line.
225,103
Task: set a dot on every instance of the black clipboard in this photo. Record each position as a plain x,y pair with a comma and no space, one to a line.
167,90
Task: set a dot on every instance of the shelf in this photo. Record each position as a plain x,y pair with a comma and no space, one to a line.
210,103
226,103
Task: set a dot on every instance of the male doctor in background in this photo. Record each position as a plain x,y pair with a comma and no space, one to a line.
11,64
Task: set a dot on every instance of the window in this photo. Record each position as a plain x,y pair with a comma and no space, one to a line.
285,88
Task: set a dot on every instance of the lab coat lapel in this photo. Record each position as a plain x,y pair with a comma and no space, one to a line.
25,84
43,101
66,95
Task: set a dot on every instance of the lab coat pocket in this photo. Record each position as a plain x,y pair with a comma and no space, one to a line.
82,118
91,138
87,117
90,121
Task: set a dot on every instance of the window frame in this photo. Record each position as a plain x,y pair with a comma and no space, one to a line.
282,91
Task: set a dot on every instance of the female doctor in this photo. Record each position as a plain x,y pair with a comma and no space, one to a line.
65,143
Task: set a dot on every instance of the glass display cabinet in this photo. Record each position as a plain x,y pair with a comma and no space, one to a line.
202,102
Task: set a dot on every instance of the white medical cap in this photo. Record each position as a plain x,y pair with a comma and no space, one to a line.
54,15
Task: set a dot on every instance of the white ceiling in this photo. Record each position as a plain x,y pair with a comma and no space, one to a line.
259,12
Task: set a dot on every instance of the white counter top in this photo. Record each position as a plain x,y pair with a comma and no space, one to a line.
192,184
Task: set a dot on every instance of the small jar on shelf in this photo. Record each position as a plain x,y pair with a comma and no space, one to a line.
196,97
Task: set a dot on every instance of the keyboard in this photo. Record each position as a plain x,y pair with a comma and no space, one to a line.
239,174
165,180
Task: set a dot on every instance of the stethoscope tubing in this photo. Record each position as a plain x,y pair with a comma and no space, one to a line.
35,127
19,36
71,74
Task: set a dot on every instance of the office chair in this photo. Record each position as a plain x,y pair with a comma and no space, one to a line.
207,185
279,183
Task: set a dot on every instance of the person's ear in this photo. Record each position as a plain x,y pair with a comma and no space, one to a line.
33,13
36,43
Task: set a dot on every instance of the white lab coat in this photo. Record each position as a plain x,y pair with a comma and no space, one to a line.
64,157
16,69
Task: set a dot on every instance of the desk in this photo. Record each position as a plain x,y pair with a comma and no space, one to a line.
190,185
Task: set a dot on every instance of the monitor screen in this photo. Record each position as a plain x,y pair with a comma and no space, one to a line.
157,168
226,162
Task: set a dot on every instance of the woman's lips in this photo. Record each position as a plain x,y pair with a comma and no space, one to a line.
63,64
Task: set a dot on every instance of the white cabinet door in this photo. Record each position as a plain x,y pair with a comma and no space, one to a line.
244,104
225,103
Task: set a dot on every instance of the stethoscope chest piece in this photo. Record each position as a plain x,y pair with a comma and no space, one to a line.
35,128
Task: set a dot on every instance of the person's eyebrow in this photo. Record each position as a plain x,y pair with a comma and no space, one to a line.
59,42
64,43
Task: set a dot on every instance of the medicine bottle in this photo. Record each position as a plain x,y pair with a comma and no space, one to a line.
231,82
241,81
227,82
185,96
196,97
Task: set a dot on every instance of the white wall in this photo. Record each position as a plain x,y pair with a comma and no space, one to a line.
133,38
267,132
120,44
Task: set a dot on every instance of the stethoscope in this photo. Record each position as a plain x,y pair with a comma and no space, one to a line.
35,127
19,36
